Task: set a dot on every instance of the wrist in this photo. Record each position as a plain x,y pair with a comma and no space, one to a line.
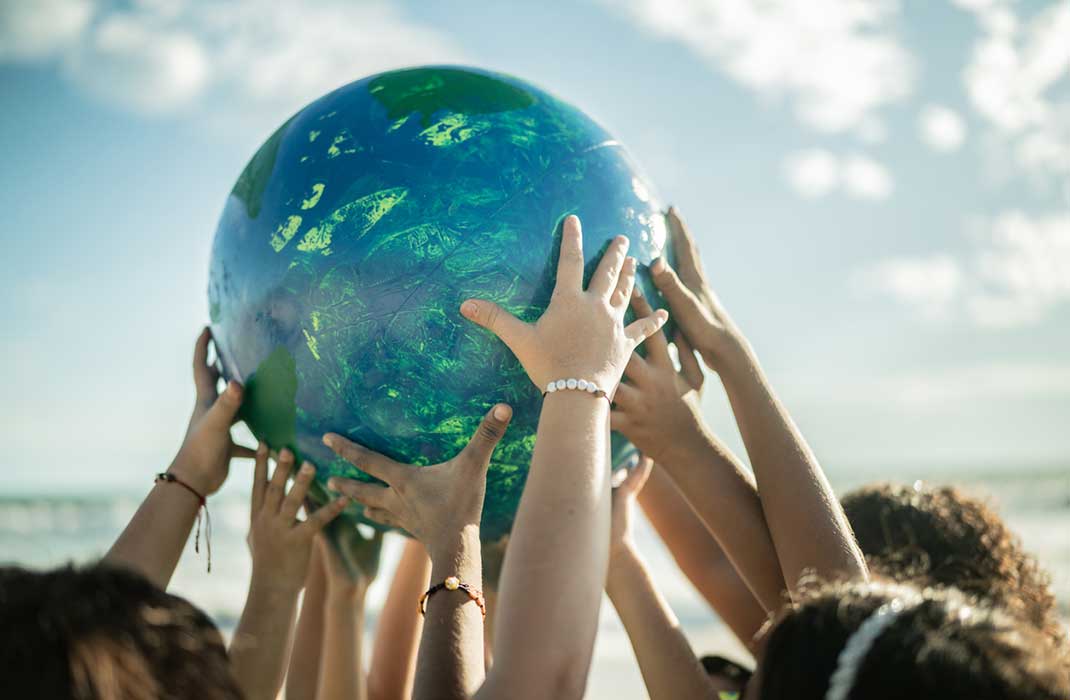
346,595
735,357
622,562
269,589
457,549
199,482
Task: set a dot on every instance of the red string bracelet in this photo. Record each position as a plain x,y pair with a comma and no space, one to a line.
452,583
170,478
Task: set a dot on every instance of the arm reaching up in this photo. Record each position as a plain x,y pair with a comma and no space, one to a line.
669,667
441,506
805,519
552,579
397,637
281,546
342,661
701,558
152,542
302,678
658,411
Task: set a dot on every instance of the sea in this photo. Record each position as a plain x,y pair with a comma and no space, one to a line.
41,531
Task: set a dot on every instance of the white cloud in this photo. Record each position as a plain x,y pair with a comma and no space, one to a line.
816,172
837,61
155,56
865,178
929,284
812,173
1018,80
1017,274
36,29
135,65
983,382
941,128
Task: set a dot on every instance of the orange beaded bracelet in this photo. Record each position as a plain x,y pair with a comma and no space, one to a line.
452,583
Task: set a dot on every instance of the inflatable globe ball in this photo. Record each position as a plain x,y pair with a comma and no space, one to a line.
353,235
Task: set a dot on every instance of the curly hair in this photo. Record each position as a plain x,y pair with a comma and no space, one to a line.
104,633
941,645
940,536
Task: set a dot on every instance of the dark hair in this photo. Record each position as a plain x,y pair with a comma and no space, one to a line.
944,537
941,645
105,633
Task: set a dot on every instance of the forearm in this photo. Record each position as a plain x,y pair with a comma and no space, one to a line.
302,679
450,661
153,540
341,674
397,637
259,649
553,578
723,495
669,666
700,557
806,521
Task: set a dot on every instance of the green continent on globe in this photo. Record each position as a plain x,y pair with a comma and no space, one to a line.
353,235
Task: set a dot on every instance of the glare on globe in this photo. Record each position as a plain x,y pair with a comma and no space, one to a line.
353,235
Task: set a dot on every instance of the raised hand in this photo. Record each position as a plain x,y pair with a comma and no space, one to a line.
696,310
281,545
658,409
433,504
624,497
581,335
350,546
203,460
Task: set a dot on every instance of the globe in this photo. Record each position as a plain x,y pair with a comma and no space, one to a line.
354,233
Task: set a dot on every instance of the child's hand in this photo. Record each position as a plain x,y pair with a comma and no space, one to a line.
624,495
581,335
658,408
203,460
696,310
434,504
363,552
281,545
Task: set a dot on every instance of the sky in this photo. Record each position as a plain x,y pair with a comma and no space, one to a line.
880,189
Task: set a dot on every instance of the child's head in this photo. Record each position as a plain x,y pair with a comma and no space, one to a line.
102,633
943,537
889,641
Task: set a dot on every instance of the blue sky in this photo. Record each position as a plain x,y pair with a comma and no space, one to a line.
881,190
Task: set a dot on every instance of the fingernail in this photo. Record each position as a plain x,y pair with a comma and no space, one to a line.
470,309
232,388
333,484
658,266
662,314
328,439
637,293
285,455
307,469
501,412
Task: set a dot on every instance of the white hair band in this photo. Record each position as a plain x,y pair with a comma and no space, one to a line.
854,652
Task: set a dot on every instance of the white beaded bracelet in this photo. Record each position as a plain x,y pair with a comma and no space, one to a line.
575,385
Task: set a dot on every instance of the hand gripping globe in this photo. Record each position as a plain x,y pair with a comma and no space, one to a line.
352,237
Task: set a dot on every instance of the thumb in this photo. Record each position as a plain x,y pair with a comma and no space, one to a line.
488,434
498,321
225,409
